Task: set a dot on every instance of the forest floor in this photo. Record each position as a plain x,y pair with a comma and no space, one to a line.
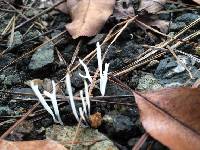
42,50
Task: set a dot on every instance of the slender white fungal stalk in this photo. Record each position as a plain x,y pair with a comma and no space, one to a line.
52,96
104,79
83,102
84,111
82,114
87,98
99,58
71,99
42,100
104,75
87,74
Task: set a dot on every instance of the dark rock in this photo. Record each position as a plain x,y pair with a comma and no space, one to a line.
159,146
97,38
134,80
170,73
42,57
113,89
119,126
187,17
76,79
6,59
148,82
132,141
129,51
68,52
119,56
31,12
5,111
32,34
164,16
177,26
10,77
17,39
115,64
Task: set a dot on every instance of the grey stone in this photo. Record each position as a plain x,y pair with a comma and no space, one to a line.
31,12
6,59
76,79
12,79
32,34
2,77
17,39
148,82
119,126
113,89
187,17
5,111
171,74
88,135
177,26
43,56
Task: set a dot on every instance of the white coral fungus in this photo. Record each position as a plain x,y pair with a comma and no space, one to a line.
44,103
84,111
104,74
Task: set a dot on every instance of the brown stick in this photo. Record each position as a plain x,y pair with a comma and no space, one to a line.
3,136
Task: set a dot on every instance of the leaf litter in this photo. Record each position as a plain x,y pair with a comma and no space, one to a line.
170,115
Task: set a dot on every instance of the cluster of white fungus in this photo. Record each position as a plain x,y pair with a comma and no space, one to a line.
84,111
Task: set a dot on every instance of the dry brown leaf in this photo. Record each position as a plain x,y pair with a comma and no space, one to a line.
152,6
66,6
172,116
31,145
88,16
197,1
162,25
123,9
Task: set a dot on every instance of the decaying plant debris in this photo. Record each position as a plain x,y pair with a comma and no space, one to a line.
115,74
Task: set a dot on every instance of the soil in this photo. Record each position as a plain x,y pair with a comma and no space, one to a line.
46,63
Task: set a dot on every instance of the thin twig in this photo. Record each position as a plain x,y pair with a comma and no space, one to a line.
141,141
30,52
36,16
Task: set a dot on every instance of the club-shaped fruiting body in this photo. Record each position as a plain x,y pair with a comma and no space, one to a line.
103,74
87,76
84,111
52,96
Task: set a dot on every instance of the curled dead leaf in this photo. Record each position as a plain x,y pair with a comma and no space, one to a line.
31,145
152,6
88,16
66,6
172,116
197,1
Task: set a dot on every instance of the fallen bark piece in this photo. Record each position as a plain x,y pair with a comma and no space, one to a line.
172,116
31,145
